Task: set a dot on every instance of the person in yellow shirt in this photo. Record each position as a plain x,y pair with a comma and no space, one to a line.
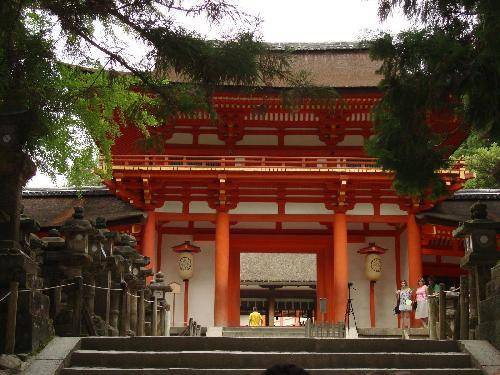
255,319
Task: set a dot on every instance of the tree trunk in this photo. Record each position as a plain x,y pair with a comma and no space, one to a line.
16,168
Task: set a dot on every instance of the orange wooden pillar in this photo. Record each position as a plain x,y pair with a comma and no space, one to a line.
340,266
414,252
397,260
159,245
221,311
234,288
414,257
148,239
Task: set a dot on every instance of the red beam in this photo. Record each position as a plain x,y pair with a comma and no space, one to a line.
166,216
320,241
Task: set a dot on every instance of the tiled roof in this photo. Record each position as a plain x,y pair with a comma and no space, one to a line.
66,191
476,194
456,208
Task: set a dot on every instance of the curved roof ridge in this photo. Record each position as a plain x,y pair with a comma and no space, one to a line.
317,46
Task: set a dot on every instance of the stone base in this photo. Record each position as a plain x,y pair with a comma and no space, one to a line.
34,327
489,309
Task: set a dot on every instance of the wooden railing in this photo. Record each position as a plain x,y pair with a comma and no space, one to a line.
259,162
243,161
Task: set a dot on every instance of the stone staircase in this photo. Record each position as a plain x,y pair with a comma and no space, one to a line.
251,356
263,332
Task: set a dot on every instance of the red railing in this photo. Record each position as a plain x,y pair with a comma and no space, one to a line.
244,161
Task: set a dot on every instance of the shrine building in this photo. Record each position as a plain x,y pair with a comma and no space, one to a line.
273,204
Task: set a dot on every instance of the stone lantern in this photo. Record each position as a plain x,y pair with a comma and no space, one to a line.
185,263
373,272
159,288
76,232
481,253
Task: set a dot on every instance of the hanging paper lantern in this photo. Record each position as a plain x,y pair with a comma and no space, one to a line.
373,261
185,259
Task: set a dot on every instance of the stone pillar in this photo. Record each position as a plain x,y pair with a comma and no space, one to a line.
340,266
464,308
115,310
133,313
221,269
186,301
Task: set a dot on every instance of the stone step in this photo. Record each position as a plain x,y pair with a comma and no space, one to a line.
266,345
325,371
258,360
392,332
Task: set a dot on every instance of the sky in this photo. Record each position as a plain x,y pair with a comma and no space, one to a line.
293,21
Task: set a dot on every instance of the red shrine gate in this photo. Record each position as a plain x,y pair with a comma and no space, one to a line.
258,152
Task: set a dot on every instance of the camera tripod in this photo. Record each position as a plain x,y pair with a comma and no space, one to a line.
349,309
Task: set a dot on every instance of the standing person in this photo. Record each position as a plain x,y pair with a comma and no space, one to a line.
422,311
405,307
433,288
255,319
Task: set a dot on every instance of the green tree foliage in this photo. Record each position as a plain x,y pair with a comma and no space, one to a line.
72,109
449,64
482,158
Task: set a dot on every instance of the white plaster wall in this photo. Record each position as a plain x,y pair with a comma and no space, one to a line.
204,224
256,140
199,207
352,140
391,209
361,209
381,226
209,139
177,224
255,208
201,285
303,140
306,208
384,288
171,206
181,139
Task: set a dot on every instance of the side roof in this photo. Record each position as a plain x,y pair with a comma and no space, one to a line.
51,207
456,208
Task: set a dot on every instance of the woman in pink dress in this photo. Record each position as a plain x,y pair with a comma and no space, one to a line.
422,311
